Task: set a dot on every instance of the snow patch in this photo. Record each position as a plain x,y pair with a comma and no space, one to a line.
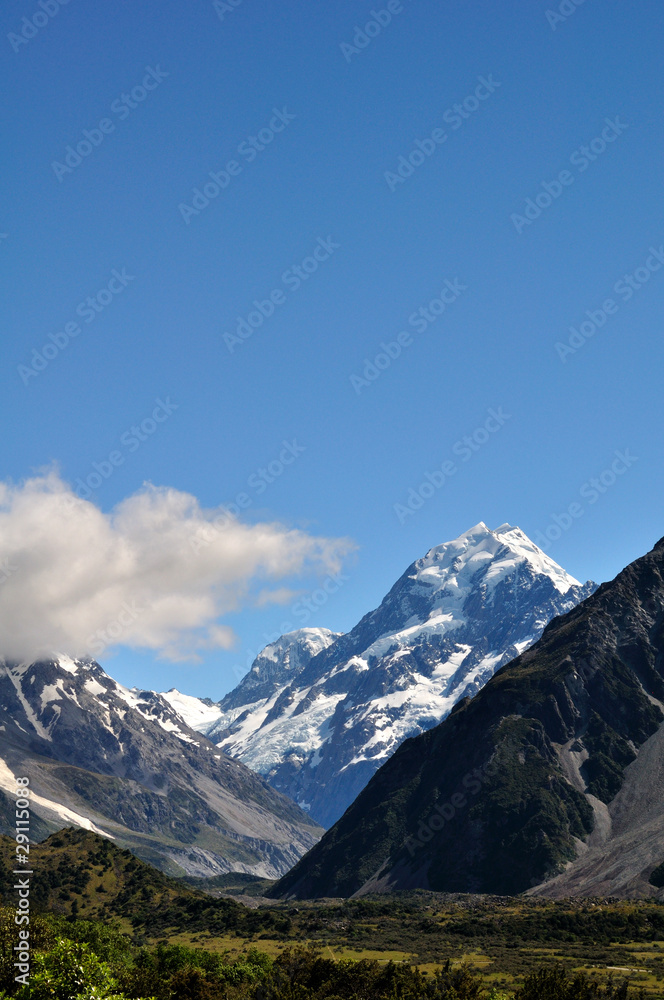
66,662
193,711
51,693
15,677
48,809
94,687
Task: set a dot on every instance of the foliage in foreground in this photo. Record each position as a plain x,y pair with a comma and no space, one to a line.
89,960
555,984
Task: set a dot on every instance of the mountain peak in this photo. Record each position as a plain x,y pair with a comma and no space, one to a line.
318,713
129,767
549,781
276,666
301,638
507,549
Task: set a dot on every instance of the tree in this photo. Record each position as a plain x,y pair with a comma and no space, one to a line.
70,971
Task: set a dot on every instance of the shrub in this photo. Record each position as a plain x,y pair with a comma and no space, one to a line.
70,971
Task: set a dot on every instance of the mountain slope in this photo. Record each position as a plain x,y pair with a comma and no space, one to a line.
123,763
320,731
557,765
77,873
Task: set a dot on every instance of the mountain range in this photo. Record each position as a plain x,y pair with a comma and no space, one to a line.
319,712
125,764
550,780
204,788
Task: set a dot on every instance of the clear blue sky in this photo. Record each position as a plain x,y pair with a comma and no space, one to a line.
458,217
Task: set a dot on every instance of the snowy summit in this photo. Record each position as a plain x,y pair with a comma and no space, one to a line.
319,713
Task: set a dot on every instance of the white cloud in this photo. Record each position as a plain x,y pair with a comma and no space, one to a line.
157,572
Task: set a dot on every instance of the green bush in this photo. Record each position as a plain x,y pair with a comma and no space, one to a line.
302,974
555,984
70,971
89,960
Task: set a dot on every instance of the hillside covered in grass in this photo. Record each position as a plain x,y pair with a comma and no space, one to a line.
156,934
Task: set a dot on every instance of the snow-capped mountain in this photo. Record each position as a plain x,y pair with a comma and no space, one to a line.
550,782
200,714
273,669
124,763
318,730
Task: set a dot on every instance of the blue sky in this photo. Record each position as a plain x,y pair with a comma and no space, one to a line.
340,113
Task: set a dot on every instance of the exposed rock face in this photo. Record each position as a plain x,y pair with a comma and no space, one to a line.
551,779
277,666
124,763
319,713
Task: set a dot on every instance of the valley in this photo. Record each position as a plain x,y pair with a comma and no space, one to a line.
84,882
